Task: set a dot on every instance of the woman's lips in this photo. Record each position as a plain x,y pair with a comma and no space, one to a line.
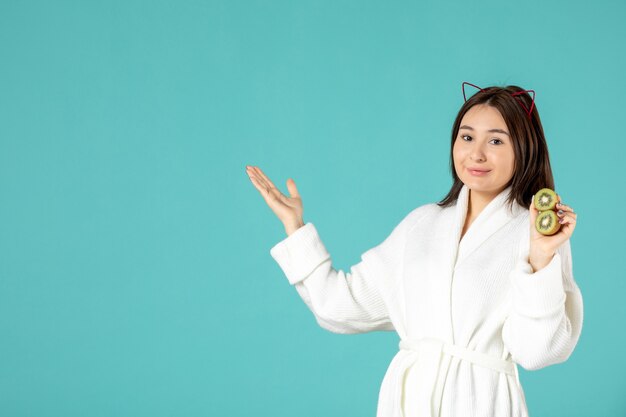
478,173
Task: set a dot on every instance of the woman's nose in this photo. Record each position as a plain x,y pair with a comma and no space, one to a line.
477,153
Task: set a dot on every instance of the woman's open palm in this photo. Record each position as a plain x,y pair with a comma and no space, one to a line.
288,209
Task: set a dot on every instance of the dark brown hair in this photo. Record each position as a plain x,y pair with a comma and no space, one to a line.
532,170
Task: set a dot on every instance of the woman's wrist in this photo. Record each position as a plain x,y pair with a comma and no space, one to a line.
538,262
293,226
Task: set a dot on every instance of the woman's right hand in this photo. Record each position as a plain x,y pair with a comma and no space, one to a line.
288,209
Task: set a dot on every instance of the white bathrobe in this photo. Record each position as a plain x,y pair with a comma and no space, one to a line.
467,313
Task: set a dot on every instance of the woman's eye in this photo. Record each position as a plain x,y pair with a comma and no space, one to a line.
468,136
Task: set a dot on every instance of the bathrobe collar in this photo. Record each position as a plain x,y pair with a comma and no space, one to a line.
494,216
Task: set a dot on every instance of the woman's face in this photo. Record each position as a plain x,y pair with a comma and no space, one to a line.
483,142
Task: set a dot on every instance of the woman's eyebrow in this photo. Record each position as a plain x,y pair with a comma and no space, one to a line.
490,130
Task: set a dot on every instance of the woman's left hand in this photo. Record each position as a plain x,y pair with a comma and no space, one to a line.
543,247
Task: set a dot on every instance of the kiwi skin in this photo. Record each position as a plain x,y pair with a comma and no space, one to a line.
547,222
545,199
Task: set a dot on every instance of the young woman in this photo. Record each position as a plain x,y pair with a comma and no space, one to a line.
468,283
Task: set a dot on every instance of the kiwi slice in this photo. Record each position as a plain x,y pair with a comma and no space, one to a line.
545,199
547,222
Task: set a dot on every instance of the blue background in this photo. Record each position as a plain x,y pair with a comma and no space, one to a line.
135,273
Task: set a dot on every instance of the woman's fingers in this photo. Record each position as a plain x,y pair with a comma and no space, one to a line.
561,206
291,186
567,217
264,177
563,211
267,189
255,174
288,210
259,184
259,179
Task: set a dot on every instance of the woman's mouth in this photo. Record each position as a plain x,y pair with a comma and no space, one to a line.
478,173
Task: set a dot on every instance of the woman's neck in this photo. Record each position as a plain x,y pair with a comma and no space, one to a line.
477,202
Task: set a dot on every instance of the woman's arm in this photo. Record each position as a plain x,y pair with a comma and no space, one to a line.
547,312
343,302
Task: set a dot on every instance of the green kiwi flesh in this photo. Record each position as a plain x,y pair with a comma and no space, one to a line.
545,199
547,222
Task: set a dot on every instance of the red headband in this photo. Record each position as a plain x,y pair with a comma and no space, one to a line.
528,112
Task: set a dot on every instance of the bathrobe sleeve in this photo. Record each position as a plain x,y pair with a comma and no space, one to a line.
547,312
343,302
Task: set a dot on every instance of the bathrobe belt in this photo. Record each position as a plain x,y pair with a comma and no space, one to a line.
425,369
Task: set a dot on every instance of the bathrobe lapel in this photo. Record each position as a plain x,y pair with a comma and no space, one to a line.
433,255
493,217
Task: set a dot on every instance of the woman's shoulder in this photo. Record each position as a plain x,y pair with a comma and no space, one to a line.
419,214
428,209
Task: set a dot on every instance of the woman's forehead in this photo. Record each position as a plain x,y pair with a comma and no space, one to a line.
481,117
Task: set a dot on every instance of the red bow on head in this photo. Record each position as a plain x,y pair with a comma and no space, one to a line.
528,112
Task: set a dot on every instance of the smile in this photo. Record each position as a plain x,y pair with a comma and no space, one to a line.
478,173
